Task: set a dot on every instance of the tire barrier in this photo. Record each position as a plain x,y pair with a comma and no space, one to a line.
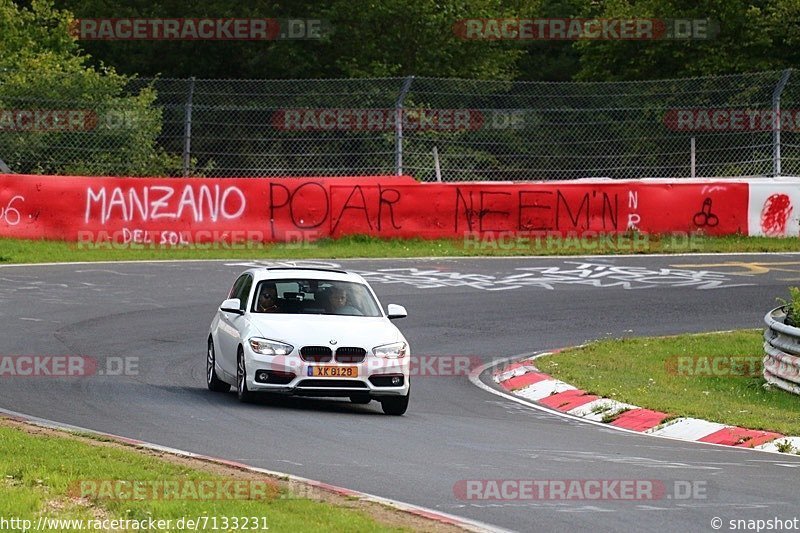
782,352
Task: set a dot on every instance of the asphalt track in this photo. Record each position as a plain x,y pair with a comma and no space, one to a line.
489,308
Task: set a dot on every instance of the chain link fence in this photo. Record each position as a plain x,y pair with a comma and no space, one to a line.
431,128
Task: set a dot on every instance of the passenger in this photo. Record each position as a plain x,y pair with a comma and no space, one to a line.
338,303
268,299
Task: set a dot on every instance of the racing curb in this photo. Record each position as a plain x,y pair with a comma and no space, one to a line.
422,512
523,379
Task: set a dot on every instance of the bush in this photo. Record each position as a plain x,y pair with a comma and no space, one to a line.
792,307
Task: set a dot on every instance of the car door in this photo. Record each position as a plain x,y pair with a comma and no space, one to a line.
231,325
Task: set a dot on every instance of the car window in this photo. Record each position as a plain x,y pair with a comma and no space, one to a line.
320,297
286,286
236,286
244,291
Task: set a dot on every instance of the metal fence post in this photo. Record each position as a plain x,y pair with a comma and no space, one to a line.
693,157
187,130
776,123
436,166
398,126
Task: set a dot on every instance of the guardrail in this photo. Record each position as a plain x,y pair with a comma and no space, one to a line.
782,352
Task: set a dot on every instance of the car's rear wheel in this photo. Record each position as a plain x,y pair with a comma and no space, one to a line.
241,379
395,405
360,399
214,383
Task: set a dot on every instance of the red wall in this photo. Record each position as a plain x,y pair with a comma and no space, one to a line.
75,208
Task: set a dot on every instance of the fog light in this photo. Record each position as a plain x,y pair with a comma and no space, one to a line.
262,376
396,380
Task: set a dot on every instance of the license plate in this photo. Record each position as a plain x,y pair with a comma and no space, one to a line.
333,371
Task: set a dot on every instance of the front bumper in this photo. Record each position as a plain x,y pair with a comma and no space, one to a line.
376,377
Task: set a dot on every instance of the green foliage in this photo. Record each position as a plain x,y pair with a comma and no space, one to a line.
404,37
367,39
794,302
752,35
610,417
42,475
42,70
356,246
793,306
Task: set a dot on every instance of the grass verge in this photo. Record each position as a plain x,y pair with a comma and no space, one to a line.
42,471
40,251
713,376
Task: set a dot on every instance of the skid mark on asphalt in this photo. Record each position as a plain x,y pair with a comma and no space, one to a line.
65,294
594,457
290,462
56,293
106,271
516,410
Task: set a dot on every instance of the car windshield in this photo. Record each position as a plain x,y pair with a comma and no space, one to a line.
314,297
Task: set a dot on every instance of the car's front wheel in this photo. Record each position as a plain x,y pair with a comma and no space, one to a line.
241,379
214,383
395,405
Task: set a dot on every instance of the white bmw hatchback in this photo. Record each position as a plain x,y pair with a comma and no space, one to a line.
308,332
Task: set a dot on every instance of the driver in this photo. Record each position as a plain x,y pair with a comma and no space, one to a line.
268,299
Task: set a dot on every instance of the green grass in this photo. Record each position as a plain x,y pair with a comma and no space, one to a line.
39,251
38,476
644,372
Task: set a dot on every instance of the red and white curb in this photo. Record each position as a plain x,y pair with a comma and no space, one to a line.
430,514
524,380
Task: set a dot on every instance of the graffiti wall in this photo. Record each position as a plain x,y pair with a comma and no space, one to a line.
176,210
775,208
447,210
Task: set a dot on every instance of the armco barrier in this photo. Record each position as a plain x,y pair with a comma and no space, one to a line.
782,352
72,208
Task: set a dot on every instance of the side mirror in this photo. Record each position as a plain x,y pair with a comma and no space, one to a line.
231,306
396,311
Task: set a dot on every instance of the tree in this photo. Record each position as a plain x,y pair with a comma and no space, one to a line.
42,73
366,38
749,36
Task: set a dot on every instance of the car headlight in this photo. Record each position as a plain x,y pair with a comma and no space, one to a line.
269,347
395,350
